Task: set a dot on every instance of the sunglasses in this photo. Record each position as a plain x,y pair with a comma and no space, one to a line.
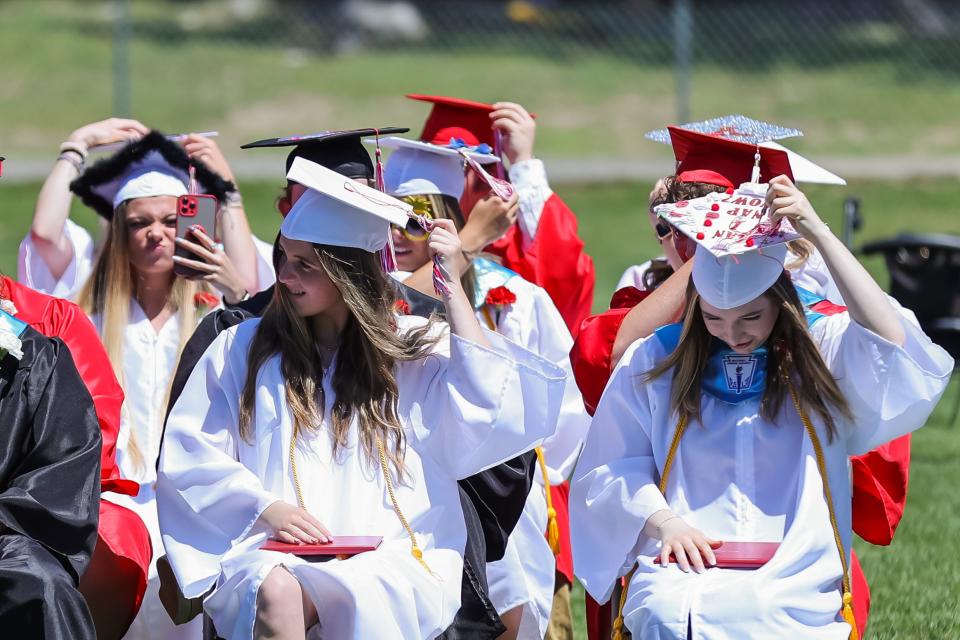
413,230
663,230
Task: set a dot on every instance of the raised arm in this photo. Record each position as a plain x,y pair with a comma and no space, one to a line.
53,203
866,302
445,243
661,307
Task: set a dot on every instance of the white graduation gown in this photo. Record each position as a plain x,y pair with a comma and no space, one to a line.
464,408
34,272
740,478
526,574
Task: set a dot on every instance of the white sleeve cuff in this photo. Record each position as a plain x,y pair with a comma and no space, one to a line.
529,178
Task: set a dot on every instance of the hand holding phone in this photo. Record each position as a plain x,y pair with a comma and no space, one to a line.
194,211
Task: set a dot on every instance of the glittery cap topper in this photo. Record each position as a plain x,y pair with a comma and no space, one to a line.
730,223
732,127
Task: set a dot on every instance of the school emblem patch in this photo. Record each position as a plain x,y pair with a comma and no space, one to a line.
738,371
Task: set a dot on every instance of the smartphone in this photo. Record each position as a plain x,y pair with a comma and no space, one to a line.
199,210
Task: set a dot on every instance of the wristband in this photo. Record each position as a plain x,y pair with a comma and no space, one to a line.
73,158
77,147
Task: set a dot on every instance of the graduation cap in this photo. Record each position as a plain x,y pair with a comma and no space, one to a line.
336,210
340,151
750,133
151,166
458,119
740,253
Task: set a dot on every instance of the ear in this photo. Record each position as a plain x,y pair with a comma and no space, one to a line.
284,205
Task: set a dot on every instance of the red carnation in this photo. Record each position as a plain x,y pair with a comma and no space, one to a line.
205,299
500,297
401,307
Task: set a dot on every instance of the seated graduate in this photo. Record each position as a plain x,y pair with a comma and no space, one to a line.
49,486
498,493
333,414
116,579
430,178
653,295
738,425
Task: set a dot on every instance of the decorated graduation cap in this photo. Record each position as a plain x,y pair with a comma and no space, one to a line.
740,253
336,210
701,160
340,151
152,166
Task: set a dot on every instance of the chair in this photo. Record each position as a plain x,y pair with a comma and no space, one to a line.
925,278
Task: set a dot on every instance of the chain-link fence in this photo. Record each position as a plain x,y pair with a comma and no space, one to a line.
873,82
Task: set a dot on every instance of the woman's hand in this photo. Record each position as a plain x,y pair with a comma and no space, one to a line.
216,265
445,243
687,544
489,220
293,525
208,152
785,200
518,129
108,131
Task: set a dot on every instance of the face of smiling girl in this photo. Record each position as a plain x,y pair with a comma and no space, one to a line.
307,285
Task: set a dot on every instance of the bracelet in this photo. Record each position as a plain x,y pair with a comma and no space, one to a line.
234,199
69,156
665,521
77,147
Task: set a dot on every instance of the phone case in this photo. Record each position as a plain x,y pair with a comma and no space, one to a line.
200,210
742,555
341,546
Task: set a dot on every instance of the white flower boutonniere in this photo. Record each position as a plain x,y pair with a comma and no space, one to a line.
10,342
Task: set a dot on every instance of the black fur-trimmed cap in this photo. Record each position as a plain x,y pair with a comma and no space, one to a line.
100,183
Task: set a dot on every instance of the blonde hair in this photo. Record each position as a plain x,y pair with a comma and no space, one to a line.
108,292
369,346
793,357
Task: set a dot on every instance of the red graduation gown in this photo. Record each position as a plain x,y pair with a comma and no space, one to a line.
123,547
879,476
555,260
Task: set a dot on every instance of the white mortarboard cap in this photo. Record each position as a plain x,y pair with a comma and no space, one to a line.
338,211
148,181
414,172
730,281
740,253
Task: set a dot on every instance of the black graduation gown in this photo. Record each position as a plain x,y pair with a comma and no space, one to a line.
49,491
491,500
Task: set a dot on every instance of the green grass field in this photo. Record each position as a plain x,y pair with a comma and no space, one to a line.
915,581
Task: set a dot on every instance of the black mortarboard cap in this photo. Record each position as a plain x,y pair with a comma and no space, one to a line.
339,151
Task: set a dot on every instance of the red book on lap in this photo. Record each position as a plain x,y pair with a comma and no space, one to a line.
742,555
340,546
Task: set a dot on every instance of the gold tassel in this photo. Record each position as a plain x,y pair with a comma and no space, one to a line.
553,529
848,615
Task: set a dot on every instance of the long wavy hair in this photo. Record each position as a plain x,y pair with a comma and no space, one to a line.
365,384
108,292
793,357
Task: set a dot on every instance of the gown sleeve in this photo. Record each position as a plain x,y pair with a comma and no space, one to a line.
207,501
475,407
891,389
34,272
614,488
50,490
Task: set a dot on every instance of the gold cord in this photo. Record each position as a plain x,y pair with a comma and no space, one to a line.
415,550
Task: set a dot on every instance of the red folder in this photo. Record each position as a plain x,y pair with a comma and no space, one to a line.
742,555
340,546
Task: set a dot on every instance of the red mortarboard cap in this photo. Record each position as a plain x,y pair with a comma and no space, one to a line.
701,157
456,118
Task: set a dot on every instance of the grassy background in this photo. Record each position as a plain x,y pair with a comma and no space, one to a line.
915,581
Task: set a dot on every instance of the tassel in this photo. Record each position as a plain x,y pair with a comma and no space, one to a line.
379,166
617,629
388,259
553,529
848,615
